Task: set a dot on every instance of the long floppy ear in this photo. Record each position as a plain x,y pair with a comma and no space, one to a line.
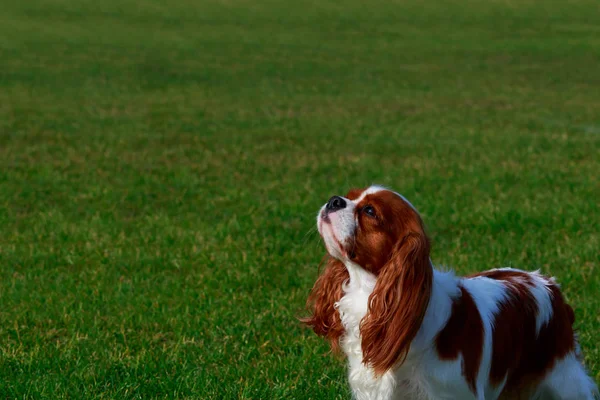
398,304
325,320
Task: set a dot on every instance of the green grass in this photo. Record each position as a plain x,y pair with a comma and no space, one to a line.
161,167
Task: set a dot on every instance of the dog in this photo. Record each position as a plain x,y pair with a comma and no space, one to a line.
411,331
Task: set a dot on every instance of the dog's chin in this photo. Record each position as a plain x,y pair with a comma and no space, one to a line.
335,251
334,247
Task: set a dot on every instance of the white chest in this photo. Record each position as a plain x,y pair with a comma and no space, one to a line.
352,308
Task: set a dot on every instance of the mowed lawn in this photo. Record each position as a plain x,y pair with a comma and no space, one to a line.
161,165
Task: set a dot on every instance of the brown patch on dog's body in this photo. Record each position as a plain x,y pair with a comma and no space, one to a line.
463,334
519,355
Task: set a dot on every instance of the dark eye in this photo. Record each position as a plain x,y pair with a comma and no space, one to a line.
369,210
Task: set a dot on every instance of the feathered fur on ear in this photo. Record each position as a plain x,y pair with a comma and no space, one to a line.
325,320
398,304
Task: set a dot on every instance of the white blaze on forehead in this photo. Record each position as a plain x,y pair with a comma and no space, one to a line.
377,188
368,191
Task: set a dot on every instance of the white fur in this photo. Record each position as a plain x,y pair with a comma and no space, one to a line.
568,380
424,375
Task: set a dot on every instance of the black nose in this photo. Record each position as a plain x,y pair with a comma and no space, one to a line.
335,203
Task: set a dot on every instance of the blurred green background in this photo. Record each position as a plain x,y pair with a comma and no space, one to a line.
161,166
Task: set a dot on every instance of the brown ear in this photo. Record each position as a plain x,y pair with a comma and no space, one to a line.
398,304
325,320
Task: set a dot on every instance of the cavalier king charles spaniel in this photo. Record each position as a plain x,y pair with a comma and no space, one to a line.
411,331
